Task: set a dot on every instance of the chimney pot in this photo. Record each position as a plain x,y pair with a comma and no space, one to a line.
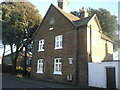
84,13
63,4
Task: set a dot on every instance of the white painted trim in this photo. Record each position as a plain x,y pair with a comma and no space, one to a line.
39,72
42,44
70,60
39,61
58,39
58,48
51,28
59,73
59,63
41,50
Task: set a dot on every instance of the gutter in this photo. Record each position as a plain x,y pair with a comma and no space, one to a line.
90,56
77,55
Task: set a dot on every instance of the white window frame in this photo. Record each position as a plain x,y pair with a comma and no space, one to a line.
59,42
51,28
40,66
70,60
41,45
59,63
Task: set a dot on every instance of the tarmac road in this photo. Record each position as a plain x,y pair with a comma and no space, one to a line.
11,83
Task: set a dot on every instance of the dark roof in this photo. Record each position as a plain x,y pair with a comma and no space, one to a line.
83,21
70,16
77,21
103,36
74,19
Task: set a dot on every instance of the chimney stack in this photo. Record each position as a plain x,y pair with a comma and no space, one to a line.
84,13
63,4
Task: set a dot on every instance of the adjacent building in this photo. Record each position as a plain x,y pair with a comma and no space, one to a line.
7,62
104,74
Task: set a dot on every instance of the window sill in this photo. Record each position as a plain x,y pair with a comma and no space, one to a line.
58,48
39,72
40,50
58,73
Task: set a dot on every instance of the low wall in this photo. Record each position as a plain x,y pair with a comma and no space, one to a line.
97,73
118,53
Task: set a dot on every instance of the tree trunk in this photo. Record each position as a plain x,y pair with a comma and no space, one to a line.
3,59
25,59
13,61
18,50
16,56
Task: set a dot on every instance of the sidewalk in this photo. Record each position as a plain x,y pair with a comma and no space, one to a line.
38,82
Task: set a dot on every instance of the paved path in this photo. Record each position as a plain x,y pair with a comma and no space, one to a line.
11,81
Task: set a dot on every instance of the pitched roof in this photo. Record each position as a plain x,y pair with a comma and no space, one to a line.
74,19
77,21
83,21
70,16
103,36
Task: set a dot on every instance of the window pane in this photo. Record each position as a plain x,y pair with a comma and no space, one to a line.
56,60
57,44
60,43
41,45
40,65
59,60
40,41
39,61
57,67
70,60
57,38
60,37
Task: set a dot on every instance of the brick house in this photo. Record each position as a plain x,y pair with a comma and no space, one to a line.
64,44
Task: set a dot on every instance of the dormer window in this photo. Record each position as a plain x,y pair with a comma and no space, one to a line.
41,45
58,42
